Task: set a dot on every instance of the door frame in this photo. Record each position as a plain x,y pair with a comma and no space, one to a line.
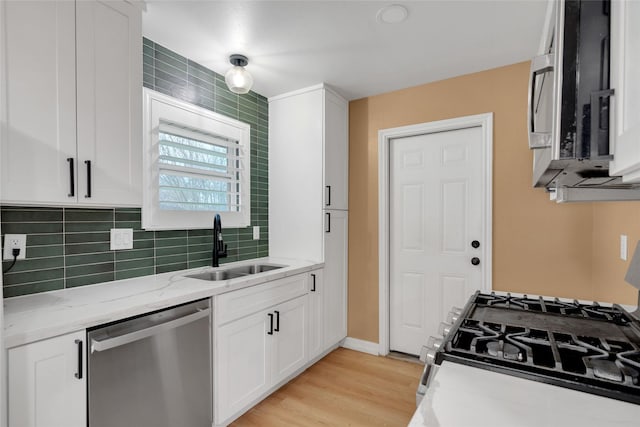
485,121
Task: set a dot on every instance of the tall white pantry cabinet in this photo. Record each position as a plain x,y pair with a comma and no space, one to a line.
308,199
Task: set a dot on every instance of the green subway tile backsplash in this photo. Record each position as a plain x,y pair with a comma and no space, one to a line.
69,247
68,259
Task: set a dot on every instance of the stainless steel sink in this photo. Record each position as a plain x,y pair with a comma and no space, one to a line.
253,269
234,272
216,275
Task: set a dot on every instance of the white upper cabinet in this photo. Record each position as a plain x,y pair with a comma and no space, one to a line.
625,69
308,168
38,98
109,76
71,103
295,175
336,152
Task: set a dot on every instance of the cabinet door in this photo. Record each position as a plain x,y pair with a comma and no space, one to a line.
295,176
290,338
109,65
335,277
336,152
37,91
242,363
45,385
316,338
625,69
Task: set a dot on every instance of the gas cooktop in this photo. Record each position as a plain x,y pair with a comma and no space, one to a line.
588,347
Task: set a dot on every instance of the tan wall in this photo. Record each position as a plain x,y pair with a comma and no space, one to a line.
539,247
610,220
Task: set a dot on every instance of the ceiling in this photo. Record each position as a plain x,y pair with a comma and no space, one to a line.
295,44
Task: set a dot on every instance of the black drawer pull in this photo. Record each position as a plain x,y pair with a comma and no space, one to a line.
313,285
328,229
270,324
277,328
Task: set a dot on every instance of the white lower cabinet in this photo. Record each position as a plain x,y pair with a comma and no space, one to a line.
263,335
289,343
242,364
47,383
316,307
334,289
256,352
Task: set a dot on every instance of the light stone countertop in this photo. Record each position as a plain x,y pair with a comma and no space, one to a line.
35,317
465,396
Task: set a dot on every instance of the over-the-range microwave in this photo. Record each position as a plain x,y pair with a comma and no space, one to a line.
569,98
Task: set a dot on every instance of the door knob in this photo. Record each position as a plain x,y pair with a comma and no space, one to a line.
475,244
475,260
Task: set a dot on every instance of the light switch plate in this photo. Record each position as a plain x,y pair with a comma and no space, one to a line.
623,247
15,241
256,232
121,238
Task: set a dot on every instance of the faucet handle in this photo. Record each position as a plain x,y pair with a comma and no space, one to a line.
223,254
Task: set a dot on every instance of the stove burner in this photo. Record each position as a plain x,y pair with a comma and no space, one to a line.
509,351
606,369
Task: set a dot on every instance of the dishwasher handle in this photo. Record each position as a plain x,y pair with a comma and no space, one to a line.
102,345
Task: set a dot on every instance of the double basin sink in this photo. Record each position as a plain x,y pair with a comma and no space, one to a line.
235,272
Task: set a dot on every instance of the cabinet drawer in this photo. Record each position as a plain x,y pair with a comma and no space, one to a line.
243,302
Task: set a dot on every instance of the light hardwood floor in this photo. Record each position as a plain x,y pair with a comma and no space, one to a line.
346,388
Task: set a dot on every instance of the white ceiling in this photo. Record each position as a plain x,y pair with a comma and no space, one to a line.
295,44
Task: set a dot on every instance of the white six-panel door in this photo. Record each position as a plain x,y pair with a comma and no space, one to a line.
436,212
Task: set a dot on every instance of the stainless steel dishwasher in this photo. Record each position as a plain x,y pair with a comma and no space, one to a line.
153,370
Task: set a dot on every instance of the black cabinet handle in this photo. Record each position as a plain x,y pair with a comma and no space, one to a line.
313,286
328,229
475,244
78,374
475,260
270,324
88,163
277,328
72,178
328,203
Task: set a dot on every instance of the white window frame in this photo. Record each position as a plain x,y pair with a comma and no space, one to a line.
158,108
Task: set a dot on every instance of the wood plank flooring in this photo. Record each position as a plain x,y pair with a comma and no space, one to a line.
346,388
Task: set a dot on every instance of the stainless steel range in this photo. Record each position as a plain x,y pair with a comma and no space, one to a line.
587,347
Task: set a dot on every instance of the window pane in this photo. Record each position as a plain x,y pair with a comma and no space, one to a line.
195,190
180,151
184,192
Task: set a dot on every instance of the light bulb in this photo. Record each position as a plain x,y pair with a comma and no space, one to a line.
238,80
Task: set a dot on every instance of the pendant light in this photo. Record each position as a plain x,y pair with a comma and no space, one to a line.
238,78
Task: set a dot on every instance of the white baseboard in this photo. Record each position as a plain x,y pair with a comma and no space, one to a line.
361,345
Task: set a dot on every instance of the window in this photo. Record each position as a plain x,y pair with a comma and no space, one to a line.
196,165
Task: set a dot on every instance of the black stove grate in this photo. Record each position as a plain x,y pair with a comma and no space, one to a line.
587,347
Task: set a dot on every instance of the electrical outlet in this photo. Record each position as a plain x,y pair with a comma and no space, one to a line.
256,232
623,247
15,241
121,238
